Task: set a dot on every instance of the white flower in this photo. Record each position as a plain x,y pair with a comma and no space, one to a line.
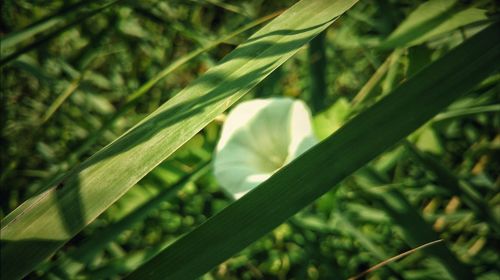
258,138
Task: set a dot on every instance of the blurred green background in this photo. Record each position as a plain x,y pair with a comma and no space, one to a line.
66,86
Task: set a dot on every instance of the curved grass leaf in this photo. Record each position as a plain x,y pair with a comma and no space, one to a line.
37,228
315,172
431,19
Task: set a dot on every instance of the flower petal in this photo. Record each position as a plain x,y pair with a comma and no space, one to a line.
258,138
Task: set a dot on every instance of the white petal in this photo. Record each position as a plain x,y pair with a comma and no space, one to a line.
258,138
301,131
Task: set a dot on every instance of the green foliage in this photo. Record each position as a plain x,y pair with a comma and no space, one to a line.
78,74
329,162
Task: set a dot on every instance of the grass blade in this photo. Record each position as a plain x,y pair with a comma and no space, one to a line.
41,25
312,174
374,80
8,58
457,113
392,259
88,251
37,228
431,19
72,87
136,95
317,70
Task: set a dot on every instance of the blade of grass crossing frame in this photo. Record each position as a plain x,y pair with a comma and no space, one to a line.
136,95
37,228
315,172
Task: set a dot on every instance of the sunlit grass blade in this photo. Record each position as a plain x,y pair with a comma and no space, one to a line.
146,87
315,172
132,99
37,228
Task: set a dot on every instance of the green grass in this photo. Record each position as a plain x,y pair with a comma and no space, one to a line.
111,111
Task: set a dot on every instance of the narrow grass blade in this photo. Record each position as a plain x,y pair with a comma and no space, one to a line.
317,70
229,7
126,264
374,80
37,228
315,172
183,60
457,113
41,25
366,242
46,38
62,97
395,258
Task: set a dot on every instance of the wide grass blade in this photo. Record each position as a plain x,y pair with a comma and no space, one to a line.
135,96
37,228
315,172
